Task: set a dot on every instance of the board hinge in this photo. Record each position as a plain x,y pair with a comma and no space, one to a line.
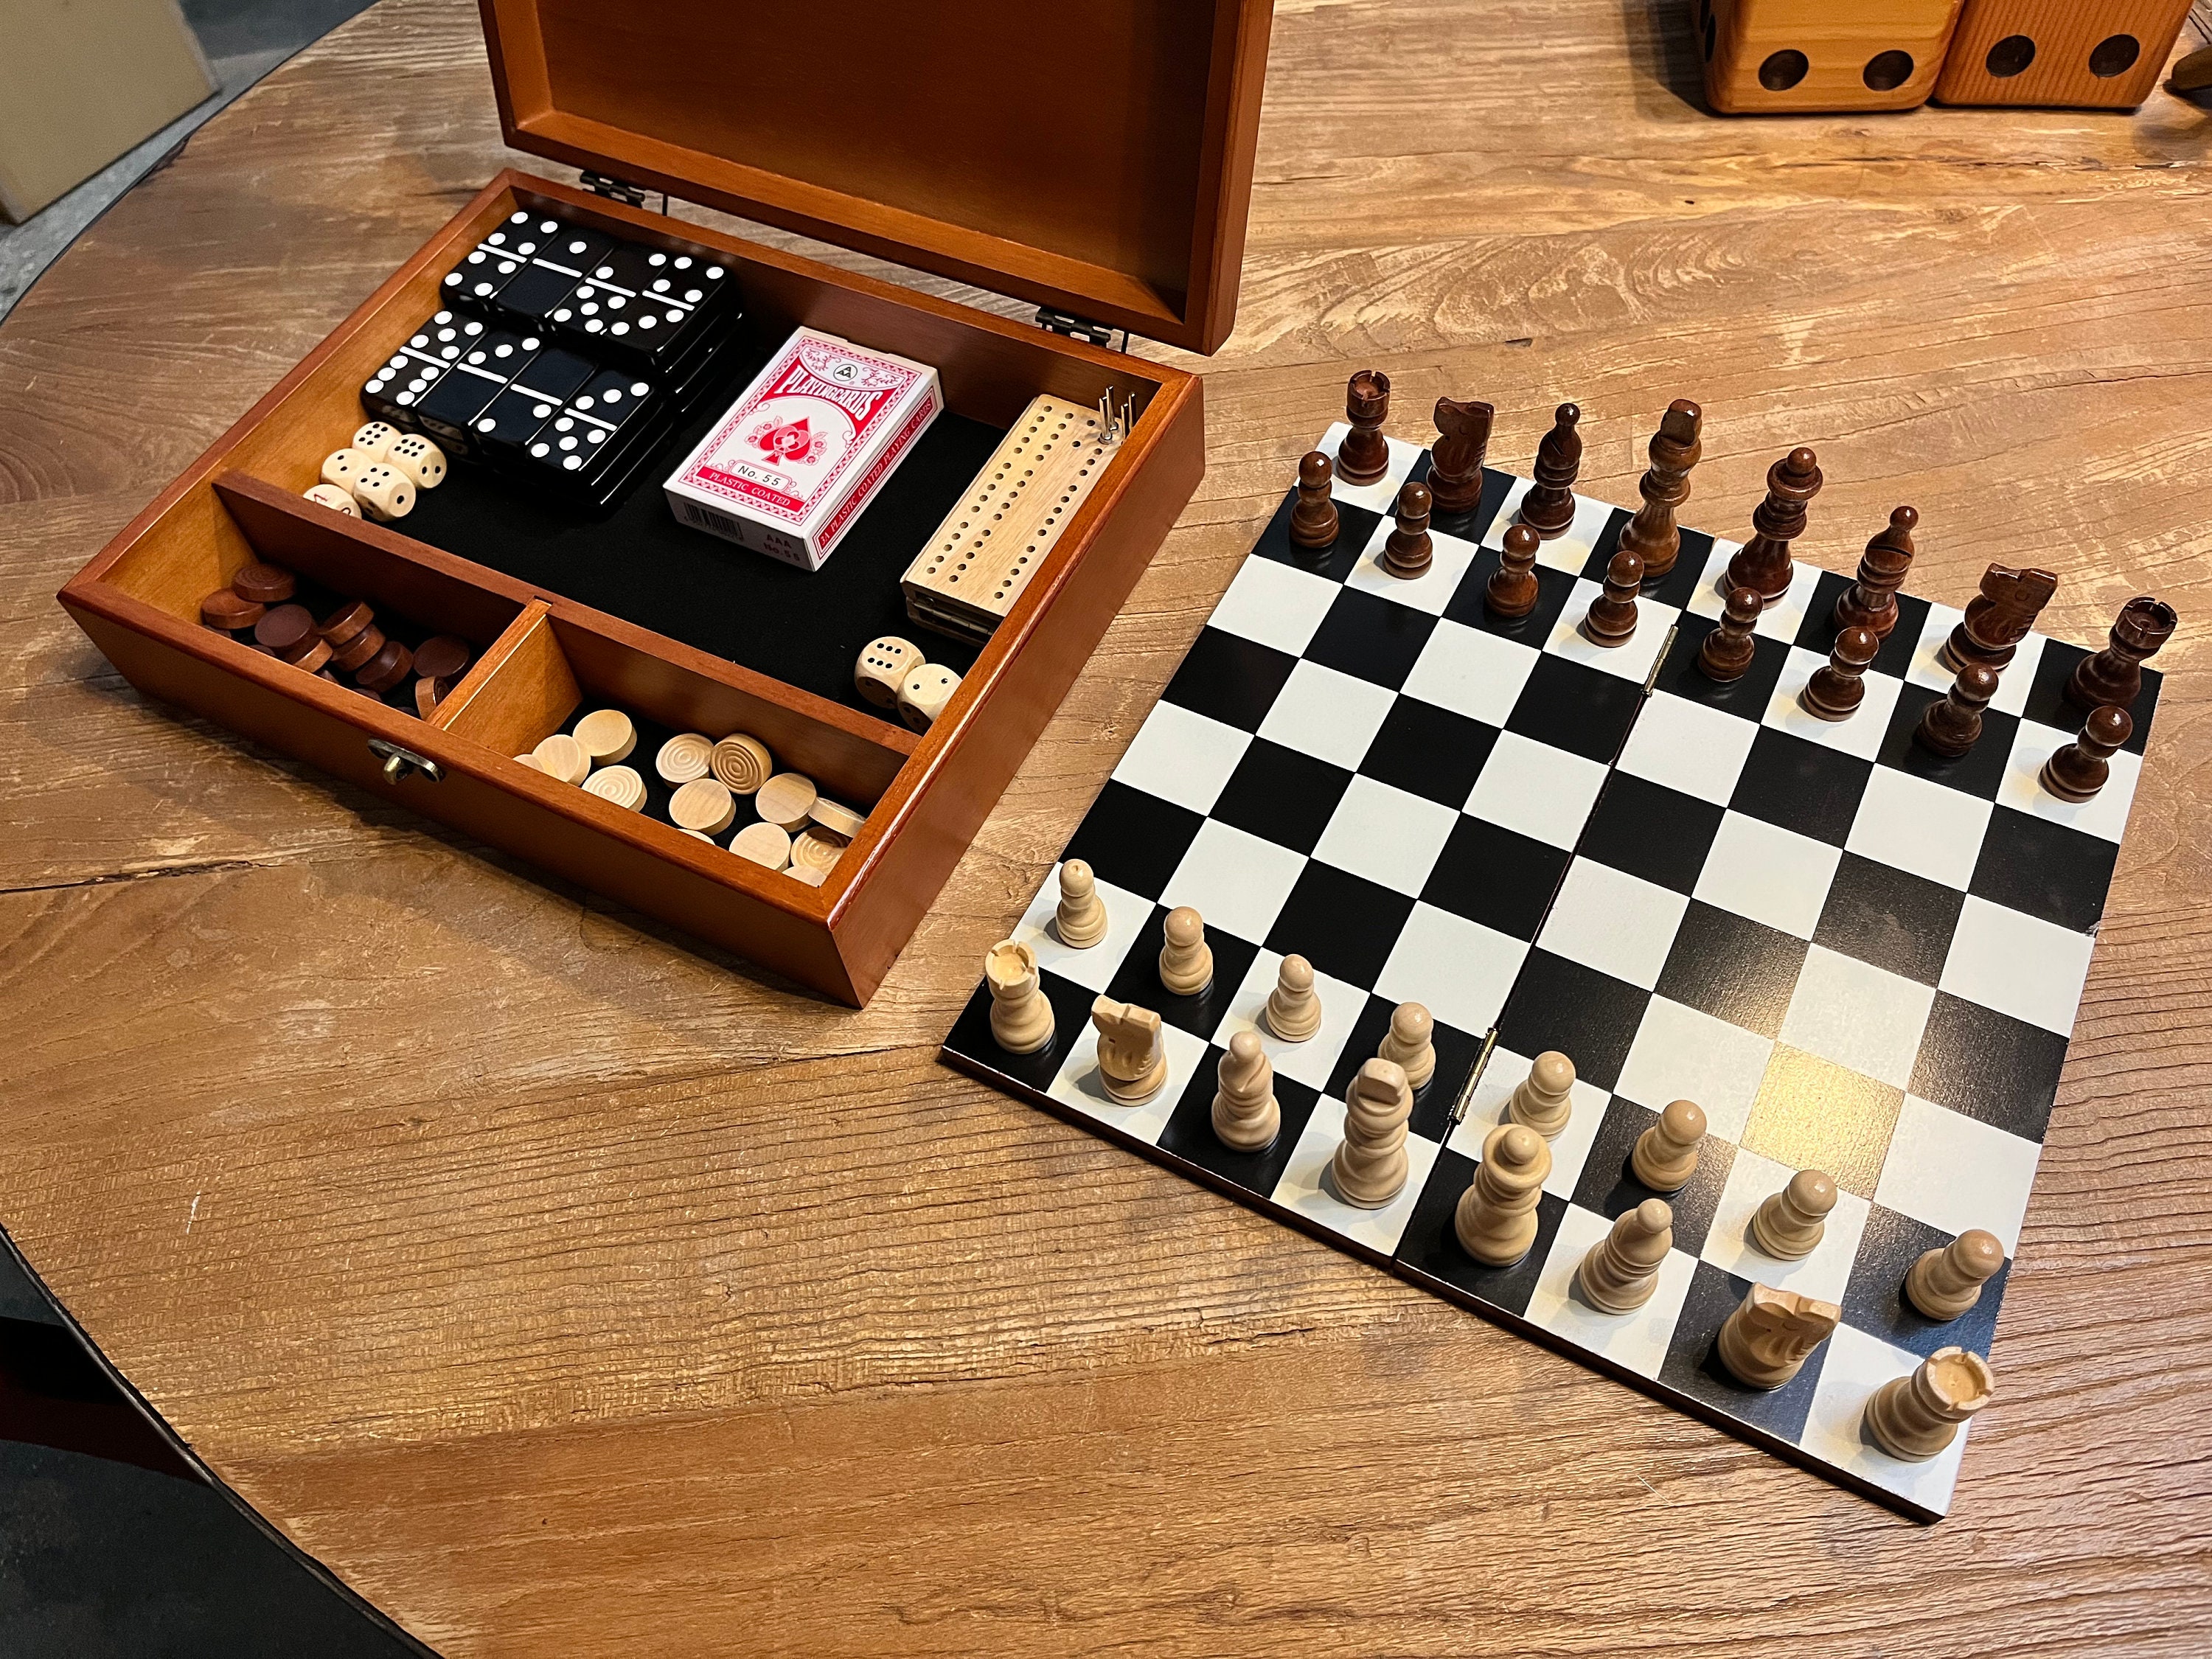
1080,328
618,190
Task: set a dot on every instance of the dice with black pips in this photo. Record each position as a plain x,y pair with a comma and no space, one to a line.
450,409
515,417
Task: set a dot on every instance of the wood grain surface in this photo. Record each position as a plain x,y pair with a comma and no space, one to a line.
570,1289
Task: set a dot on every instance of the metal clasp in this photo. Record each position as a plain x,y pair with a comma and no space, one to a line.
398,762
1080,328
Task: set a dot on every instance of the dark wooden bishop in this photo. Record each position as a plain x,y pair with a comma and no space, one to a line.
2078,771
1998,618
1763,562
1408,551
1548,508
1611,617
1837,688
1363,457
1512,589
1314,519
1953,723
1456,462
2114,676
1871,601
1653,535
1726,652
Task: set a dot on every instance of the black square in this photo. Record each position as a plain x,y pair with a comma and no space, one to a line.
1818,631
1582,710
1457,1052
1138,978
1874,1300
1801,785
1189,1130
1895,920
1732,968
1680,584
970,1037
1355,528
1694,1364
1979,771
1230,678
1748,696
1609,1187
1281,795
1345,925
1651,831
1430,751
1607,543
1990,1066
1496,877
2045,869
2047,698
1375,639
1430,1246
1553,589
555,375
1134,839
1589,1016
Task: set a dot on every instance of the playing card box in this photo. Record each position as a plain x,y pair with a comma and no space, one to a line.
796,458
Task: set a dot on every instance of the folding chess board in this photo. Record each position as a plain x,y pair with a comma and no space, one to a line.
1852,954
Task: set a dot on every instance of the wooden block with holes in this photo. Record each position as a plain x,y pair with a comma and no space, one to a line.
2094,54
1790,57
972,570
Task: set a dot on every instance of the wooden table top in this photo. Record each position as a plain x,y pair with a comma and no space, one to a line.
569,1289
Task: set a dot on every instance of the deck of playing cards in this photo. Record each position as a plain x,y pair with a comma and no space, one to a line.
806,448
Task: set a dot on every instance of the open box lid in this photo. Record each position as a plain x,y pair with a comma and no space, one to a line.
1094,158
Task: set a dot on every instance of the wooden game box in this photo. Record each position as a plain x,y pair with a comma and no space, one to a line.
1123,210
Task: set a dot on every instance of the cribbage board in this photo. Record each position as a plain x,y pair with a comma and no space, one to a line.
1852,954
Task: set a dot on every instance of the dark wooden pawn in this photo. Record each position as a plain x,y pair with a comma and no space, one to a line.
2078,771
1548,508
1611,617
1363,458
1408,552
1512,589
1871,601
1653,535
1953,722
1763,562
1456,462
1314,520
1998,618
1726,652
2114,676
1835,691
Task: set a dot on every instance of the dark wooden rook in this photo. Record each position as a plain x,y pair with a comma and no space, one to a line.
1998,618
1611,617
1763,562
1456,462
1725,654
2078,771
1408,552
1363,457
1953,723
1871,601
1512,588
1653,535
1548,508
1314,519
2114,676
1837,690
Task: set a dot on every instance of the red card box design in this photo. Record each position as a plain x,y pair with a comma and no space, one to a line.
801,454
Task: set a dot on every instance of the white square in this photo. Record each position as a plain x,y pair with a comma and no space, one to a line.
1471,673
1954,1172
1922,828
1571,550
1543,793
1862,734
1772,875
1236,881
1329,715
1680,1054
1431,591
1381,495
1486,1110
1824,1273
1924,669
1275,605
1779,621
1079,1085
1094,968
1613,921
1459,970
1311,1062
1857,1365
1859,1016
1632,661
1689,747
1302,1188
1183,756
1386,835
2018,965
2104,814
1637,1339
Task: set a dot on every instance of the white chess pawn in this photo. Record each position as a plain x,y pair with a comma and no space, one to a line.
1186,959
1246,1117
1294,1006
1789,1223
1544,1099
1021,1013
1621,1270
1408,1043
1080,921
1666,1154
